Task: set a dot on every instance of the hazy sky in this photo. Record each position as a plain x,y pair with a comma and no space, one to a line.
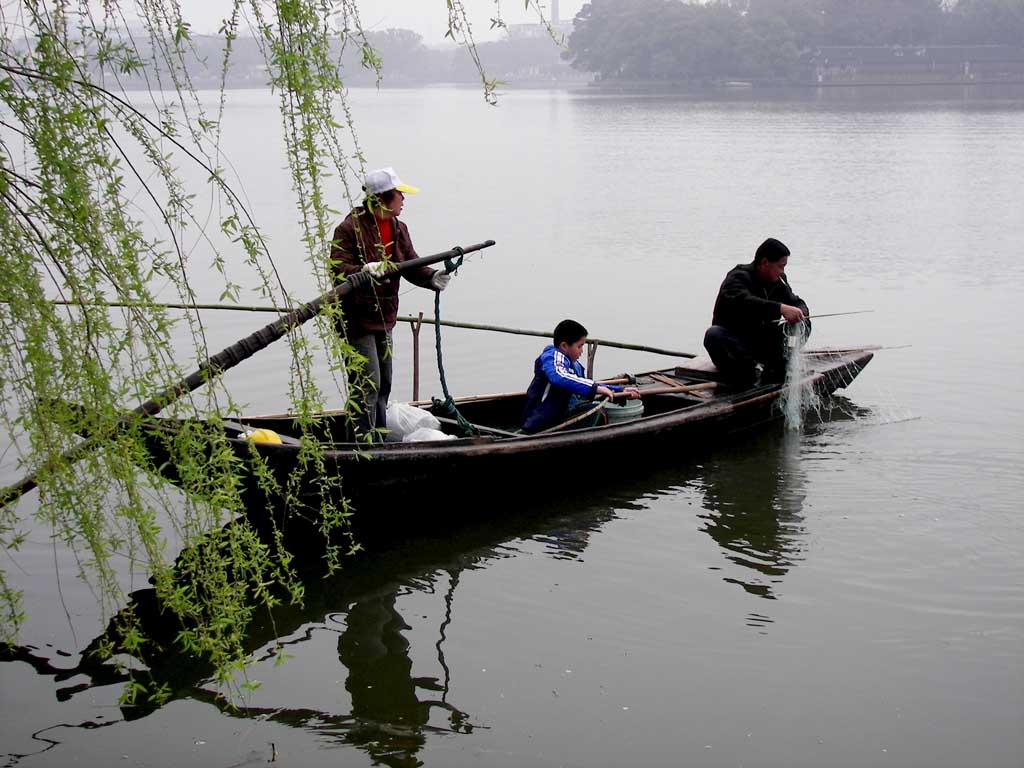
428,17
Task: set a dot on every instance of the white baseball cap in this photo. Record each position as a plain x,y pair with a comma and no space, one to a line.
384,179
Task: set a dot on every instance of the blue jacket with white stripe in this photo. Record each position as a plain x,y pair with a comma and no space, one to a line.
557,384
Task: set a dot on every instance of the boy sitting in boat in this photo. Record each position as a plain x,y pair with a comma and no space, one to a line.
559,389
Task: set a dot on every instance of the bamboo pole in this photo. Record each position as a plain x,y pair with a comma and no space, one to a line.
401,319
547,335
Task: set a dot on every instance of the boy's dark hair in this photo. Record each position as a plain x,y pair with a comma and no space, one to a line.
568,331
771,250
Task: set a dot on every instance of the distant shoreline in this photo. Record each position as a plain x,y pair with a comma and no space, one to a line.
895,91
682,85
954,89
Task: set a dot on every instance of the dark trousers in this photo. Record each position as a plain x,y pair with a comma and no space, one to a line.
373,388
736,357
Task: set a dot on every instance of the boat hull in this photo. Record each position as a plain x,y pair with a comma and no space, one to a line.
397,490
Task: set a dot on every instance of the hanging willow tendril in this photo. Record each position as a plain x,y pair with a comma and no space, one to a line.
84,164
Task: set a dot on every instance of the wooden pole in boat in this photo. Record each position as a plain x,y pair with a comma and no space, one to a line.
416,325
505,395
547,335
681,390
575,419
495,395
401,319
241,350
666,390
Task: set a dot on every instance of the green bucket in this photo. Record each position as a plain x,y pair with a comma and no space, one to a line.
627,411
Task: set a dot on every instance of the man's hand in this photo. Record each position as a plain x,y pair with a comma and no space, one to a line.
630,393
376,268
792,314
604,391
439,281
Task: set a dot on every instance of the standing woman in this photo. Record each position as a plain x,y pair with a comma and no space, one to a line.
371,239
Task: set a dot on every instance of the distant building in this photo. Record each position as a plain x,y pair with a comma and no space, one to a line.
526,31
852,64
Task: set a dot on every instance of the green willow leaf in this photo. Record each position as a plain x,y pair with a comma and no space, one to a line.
84,173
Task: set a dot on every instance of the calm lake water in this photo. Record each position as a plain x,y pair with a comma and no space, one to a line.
850,594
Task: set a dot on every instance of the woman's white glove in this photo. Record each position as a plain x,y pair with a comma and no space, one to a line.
439,280
376,268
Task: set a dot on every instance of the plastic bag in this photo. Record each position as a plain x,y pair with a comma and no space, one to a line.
404,419
426,434
262,436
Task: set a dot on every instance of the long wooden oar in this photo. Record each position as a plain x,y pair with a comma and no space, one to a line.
241,350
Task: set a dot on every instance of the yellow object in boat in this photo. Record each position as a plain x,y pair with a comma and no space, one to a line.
262,435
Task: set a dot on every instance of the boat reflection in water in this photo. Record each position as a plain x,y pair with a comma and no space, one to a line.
753,491
390,713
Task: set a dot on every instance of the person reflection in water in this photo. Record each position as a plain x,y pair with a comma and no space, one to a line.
753,509
390,719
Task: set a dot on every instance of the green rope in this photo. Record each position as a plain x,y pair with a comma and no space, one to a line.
447,406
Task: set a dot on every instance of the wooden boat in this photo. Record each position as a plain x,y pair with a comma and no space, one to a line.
397,488
405,486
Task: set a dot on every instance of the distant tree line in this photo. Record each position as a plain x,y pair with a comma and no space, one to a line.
405,59
764,39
